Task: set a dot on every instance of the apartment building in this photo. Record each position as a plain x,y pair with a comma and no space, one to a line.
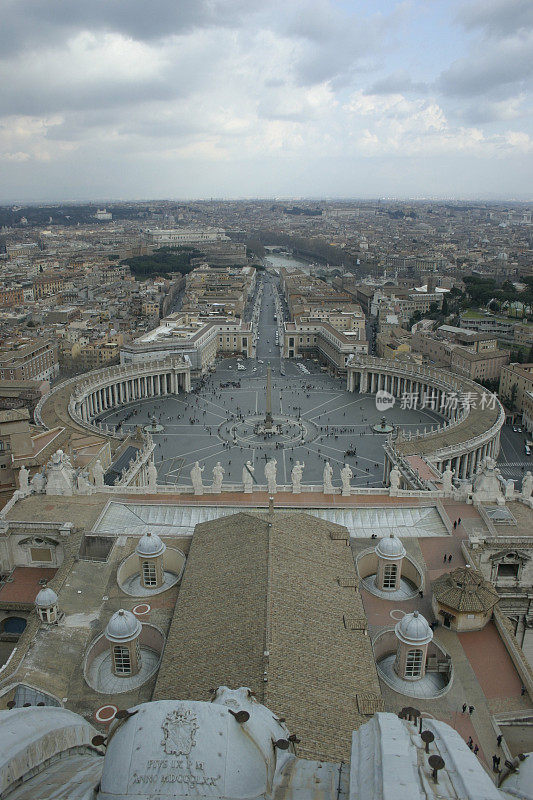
27,359
158,237
99,352
393,342
519,376
223,292
195,337
497,326
321,340
11,296
473,355
484,365
47,285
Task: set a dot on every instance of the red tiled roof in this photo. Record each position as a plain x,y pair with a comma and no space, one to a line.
25,584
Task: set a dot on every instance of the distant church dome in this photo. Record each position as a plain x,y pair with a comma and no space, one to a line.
390,547
150,545
46,598
122,627
414,629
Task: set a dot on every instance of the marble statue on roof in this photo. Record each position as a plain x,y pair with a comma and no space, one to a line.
247,477
346,476
447,480
487,486
394,479
270,475
218,475
196,478
38,482
60,475
151,474
83,484
296,477
327,476
23,479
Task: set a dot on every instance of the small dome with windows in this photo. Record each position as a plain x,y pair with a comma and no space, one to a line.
122,627
150,545
46,598
390,547
414,629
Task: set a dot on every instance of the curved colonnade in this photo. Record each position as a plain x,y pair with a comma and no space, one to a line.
107,389
470,433
76,403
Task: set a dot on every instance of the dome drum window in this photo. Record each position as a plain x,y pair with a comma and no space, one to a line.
414,635
390,553
151,550
122,632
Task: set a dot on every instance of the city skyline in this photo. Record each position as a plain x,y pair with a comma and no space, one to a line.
321,98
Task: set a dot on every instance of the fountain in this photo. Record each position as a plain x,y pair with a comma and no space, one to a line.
383,427
154,427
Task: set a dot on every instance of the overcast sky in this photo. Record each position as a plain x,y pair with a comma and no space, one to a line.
127,99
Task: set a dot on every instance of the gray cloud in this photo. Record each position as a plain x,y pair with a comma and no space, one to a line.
497,17
506,68
27,23
397,82
500,61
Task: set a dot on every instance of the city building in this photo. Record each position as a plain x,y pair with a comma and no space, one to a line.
316,339
197,338
29,359
516,380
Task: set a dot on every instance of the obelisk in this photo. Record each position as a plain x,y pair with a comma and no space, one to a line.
268,415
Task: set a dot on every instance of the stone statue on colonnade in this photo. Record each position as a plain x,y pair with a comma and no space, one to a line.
296,477
394,479
196,478
218,474
248,477
270,475
327,476
447,480
346,476
151,474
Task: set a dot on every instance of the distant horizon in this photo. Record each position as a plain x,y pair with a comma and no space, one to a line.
265,198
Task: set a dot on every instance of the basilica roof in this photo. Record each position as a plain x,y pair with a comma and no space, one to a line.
465,589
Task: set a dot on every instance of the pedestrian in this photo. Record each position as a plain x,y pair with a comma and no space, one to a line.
455,525
471,710
445,558
523,691
494,763
476,749
459,521
470,743
464,710
449,558
499,739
